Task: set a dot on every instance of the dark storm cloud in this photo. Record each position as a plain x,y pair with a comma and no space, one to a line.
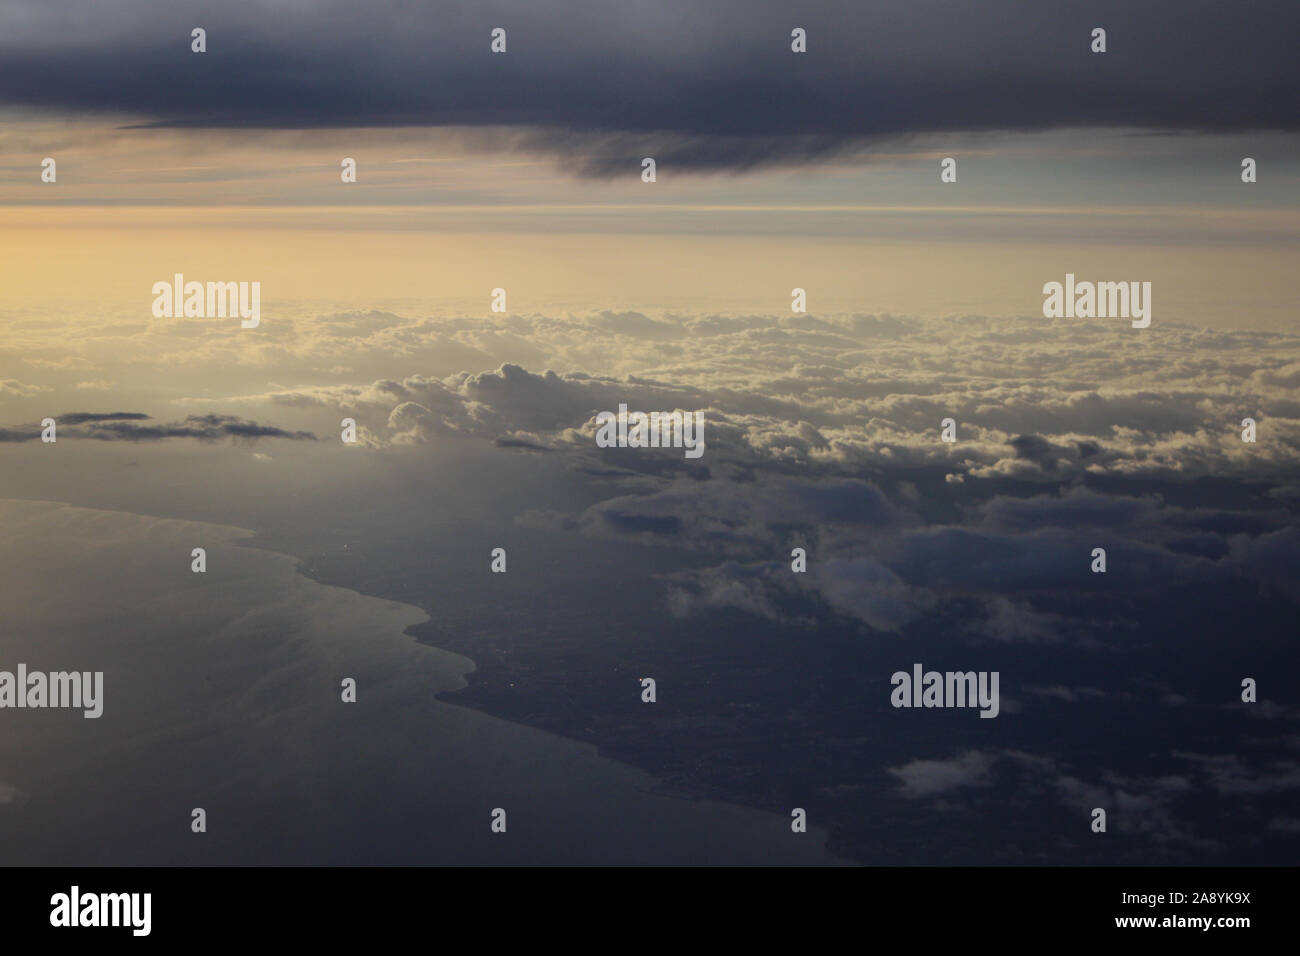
202,427
1038,450
135,426
81,418
695,85
522,445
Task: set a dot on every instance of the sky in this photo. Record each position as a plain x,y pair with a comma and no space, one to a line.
775,171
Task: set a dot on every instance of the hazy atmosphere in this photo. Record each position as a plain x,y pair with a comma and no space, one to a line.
840,259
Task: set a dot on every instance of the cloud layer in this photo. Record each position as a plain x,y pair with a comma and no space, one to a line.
698,87
135,426
821,433
825,433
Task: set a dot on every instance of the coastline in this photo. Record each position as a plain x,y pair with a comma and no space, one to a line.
251,733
